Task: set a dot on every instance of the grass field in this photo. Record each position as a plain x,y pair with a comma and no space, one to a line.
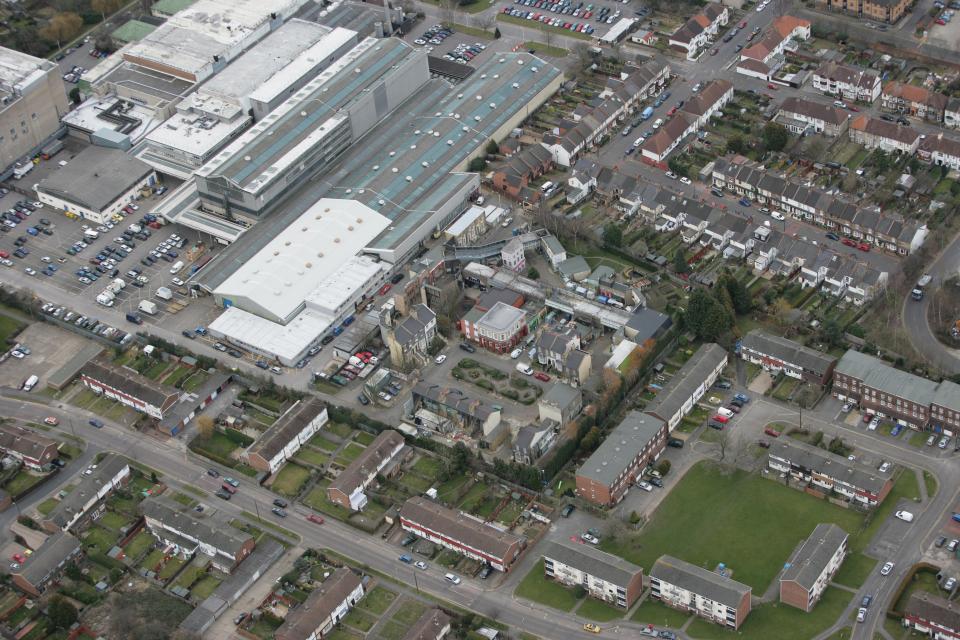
427,466
8,327
855,570
290,479
742,534
780,621
476,495
47,506
593,609
653,612
447,491
537,588
204,587
364,438
101,539
556,52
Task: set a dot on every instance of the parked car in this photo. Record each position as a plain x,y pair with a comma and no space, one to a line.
676,443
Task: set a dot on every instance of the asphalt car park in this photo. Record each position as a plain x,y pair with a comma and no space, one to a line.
449,42
50,348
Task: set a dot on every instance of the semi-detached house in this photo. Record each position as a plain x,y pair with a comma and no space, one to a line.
45,564
909,99
763,58
700,30
604,576
347,489
705,593
29,447
821,471
801,116
940,150
874,133
461,532
285,437
812,566
846,82
695,114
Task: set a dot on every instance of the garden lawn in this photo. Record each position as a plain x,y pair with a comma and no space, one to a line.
349,453
448,490
203,588
140,543
99,538
593,609
653,612
742,534
21,482
47,506
317,500
537,588
170,569
428,467
854,570
218,444
780,621
290,479
475,496
364,438
323,443
194,382
112,521
312,456
378,600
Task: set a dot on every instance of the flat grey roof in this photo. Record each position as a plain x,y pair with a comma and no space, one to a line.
96,177
808,563
588,559
561,395
691,375
501,316
708,584
620,448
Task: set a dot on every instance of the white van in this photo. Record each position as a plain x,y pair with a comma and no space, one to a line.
91,234
547,187
524,368
906,516
726,413
177,266
30,383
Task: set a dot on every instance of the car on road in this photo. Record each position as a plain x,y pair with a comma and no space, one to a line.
676,443
671,175
405,559
315,518
223,495
586,537
94,422
280,513
942,540
539,375
776,215
720,418
885,467
861,614
685,180
230,481
886,569
469,348
51,420
952,545
516,353
455,579
567,510
213,473
592,628
279,502
865,603
420,564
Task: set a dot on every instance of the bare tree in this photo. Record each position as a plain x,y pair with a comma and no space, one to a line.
486,21
205,426
723,443
62,27
448,11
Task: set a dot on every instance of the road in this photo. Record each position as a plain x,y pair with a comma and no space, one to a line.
915,314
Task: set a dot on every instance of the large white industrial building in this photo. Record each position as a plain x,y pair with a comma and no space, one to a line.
287,295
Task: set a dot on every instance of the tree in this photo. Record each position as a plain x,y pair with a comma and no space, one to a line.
104,42
496,33
737,144
477,165
61,613
74,95
612,235
680,261
493,147
62,26
664,467
590,441
205,426
740,297
677,167
775,137
533,274
706,317
104,7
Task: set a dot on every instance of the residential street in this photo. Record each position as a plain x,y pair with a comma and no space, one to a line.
914,314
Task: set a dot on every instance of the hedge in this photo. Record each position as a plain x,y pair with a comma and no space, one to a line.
238,437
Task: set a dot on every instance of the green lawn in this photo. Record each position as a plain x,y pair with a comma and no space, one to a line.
290,479
202,589
195,381
323,443
349,453
653,611
340,429
101,539
535,586
556,52
843,634
854,570
780,621
312,456
415,483
113,521
156,370
177,375
21,482
476,495
189,575
447,492
47,506
741,534
364,438
170,569
140,543
8,327
378,600
218,444
931,483
317,500
594,609
359,620
919,439
151,560
428,467
409,612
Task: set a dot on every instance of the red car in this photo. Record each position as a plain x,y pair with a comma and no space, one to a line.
51,420
848,242
4,255
771,86
721,419
539,375
672,111
864,246
19,557
852,108
773,433
867,417
315,519
742,25
384,289
941,22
